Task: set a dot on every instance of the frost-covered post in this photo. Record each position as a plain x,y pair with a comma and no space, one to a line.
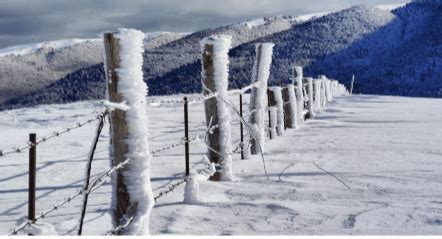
328,94
311,112
352,82
293,107
317,96
215,63
277,95
260,76
132,195
323,92
286,107
297,79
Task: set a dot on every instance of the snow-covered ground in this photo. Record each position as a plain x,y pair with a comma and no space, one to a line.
366,165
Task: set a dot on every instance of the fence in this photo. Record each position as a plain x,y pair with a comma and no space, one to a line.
286,107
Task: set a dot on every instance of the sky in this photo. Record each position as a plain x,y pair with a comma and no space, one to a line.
30,21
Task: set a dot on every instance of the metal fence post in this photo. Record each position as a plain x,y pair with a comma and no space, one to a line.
186,135
32,176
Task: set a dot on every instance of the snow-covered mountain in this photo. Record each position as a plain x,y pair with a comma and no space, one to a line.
339,44
31,67
403,57
87,82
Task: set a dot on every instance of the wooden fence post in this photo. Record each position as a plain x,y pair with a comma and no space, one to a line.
352,82
215,49
258,96
271,102
118,125
311,112
279,105
131,187
323,92
287,109
186,136
32,176
317,95
297,79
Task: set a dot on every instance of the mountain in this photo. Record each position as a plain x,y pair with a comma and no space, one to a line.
32,67
393,53
391,49
159,60
403,58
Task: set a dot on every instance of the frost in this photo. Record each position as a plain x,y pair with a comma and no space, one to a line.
294,114
277,93
112,105
299,94
260,75
310,98
134,90
317,96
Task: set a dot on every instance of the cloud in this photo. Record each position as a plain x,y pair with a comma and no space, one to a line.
23,21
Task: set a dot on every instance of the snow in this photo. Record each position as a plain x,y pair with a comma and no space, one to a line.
253,23
390,7
151,35
134,91
387,149
191,191
221,46
260,73
31,48
308,17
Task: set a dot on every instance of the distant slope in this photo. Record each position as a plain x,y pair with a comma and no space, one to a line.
402,58
29,68
301,44
390,53
159,60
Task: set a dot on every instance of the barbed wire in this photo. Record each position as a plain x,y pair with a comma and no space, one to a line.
53,135
202,98
170,188
120,227
98,182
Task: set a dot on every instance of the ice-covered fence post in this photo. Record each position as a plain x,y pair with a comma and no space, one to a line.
277,96
132,192
294,114
32,177
317,96
297,79
352,82
260,75
215,63
311,112
328,94
323,92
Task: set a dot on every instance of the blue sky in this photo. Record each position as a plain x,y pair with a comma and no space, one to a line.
28,21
